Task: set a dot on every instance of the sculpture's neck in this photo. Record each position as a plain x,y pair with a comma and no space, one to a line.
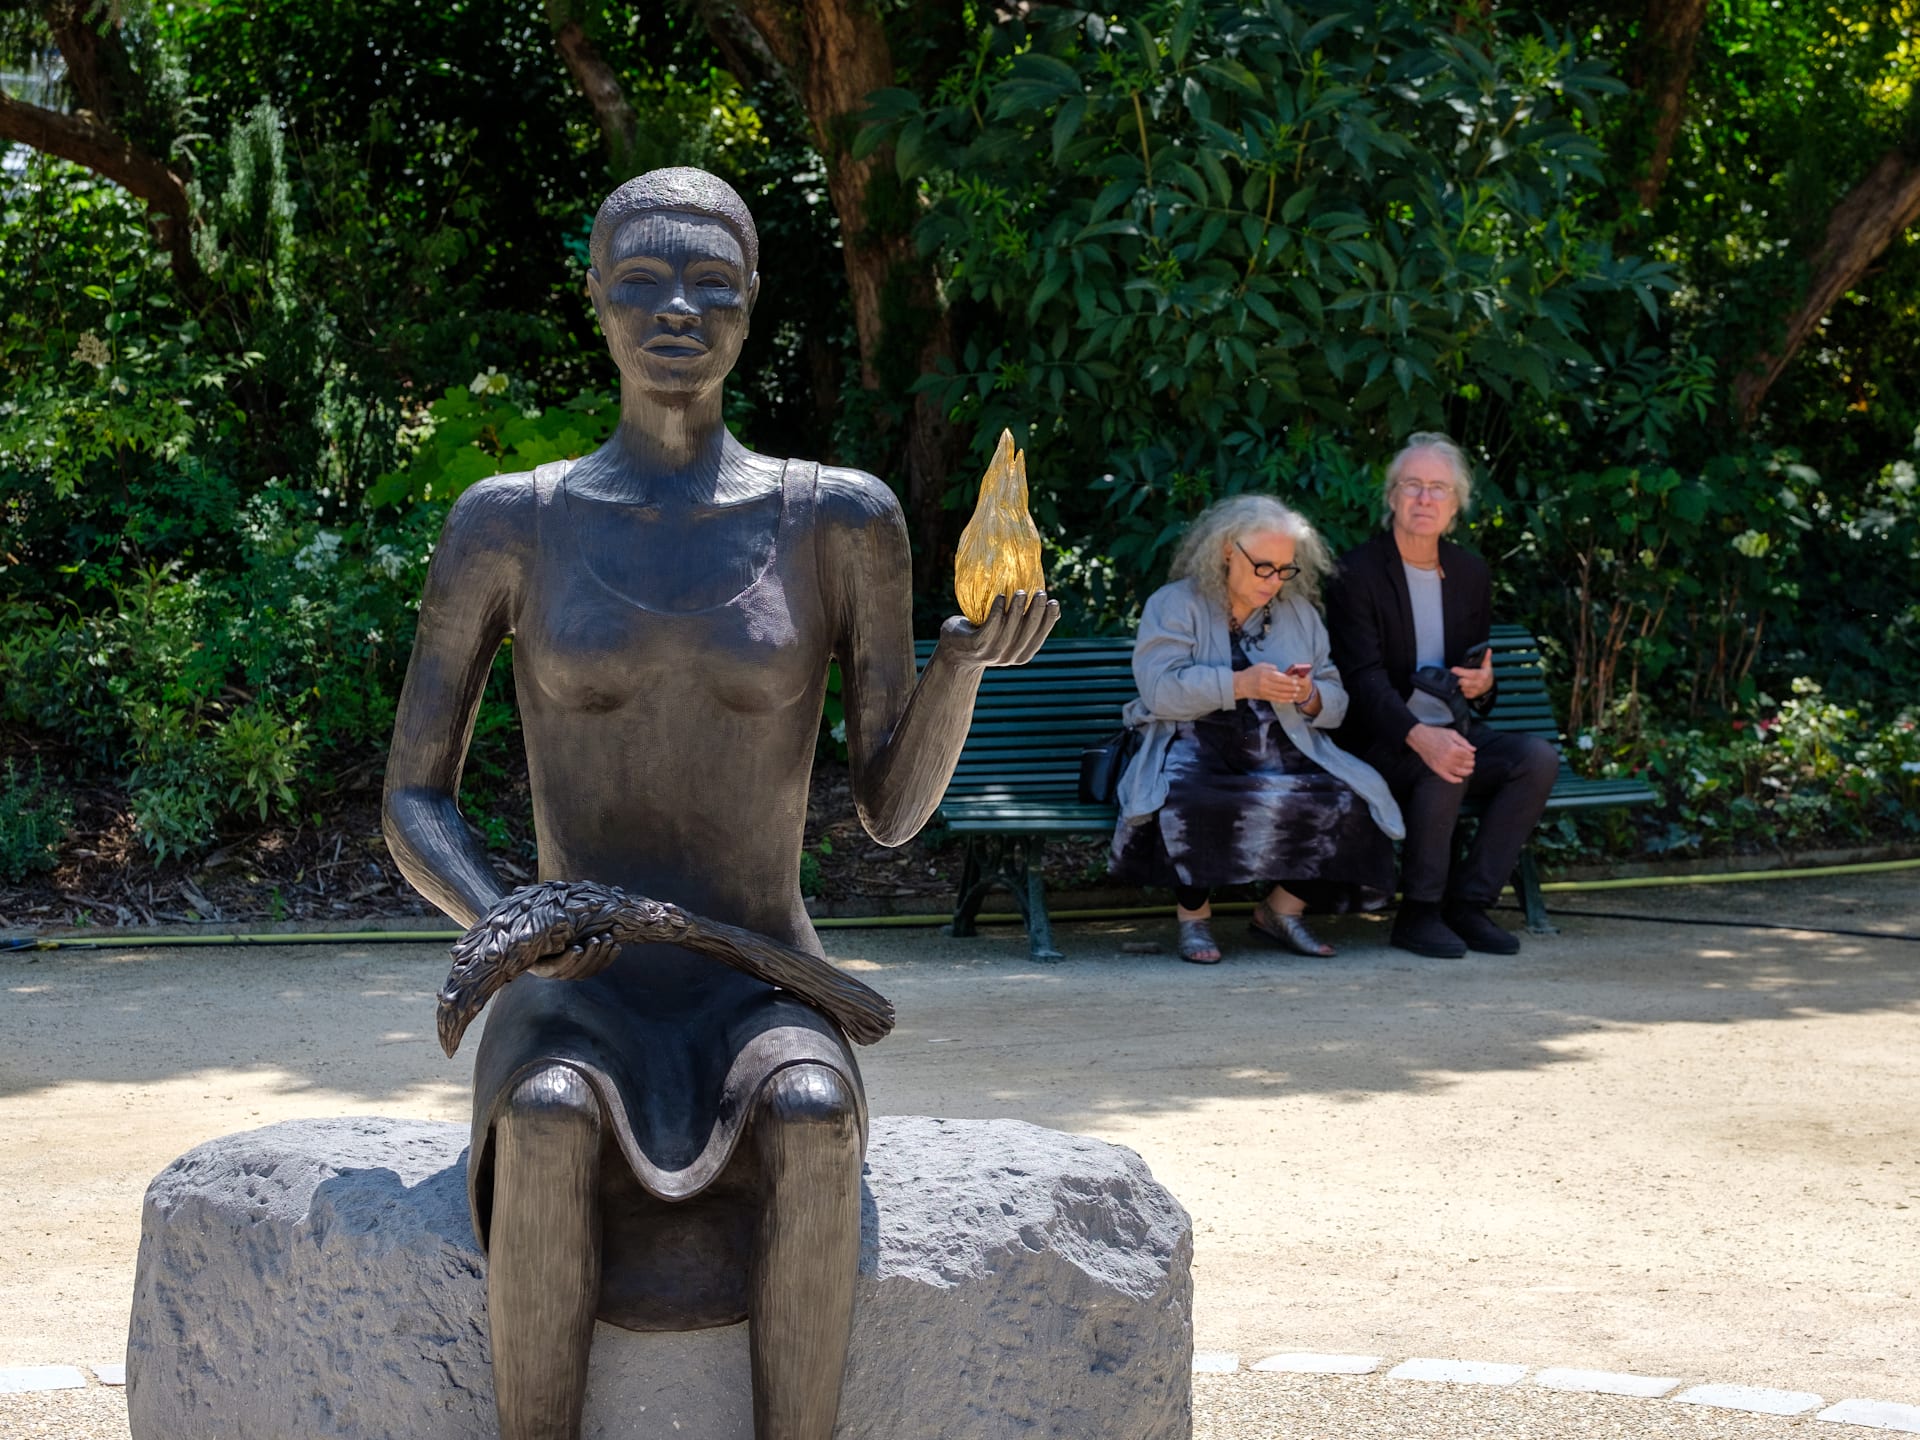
676,447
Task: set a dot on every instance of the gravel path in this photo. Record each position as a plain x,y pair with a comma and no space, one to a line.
1660,1148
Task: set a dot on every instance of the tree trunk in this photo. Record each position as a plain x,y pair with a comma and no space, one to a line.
599,83
836,53
1861,227
1661,69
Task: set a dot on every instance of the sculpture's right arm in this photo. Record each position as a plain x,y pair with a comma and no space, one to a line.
472,588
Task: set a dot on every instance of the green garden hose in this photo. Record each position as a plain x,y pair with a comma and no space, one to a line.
1122,912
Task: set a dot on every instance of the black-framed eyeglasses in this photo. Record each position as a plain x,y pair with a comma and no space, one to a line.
1263,570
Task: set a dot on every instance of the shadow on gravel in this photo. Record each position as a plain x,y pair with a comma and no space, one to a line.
986,1032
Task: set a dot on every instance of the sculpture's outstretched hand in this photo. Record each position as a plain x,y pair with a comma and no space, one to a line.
568,930
1012,633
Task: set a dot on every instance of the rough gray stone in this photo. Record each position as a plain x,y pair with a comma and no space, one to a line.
320,1279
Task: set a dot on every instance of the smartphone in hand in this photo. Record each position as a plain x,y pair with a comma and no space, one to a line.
1477,653
1300,671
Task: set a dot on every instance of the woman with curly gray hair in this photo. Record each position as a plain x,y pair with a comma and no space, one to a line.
1235,781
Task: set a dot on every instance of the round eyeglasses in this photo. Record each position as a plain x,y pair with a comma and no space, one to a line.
1431,490
1266,571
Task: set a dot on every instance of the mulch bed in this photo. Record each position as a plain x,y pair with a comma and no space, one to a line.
337,869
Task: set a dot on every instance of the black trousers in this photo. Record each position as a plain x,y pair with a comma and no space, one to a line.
1512,777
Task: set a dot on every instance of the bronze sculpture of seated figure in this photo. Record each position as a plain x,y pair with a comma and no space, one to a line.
661,1141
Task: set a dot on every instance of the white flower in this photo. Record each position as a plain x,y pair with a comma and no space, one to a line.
319,553
1585,742
91,350
488,382
387,562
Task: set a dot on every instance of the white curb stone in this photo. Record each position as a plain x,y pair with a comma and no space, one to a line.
115,1374
1874,1415
1458,1372
1607,1382
1215,1362
22,1379
1307,1363
1750,1397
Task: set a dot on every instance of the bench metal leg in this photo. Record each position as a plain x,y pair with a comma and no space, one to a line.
1532,900
1034,903
972,892
1012,864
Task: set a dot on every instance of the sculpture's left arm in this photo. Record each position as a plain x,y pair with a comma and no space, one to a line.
903,734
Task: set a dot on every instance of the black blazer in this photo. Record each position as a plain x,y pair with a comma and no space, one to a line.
1370,621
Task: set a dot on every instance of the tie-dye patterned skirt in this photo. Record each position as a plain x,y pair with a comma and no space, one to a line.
1245,807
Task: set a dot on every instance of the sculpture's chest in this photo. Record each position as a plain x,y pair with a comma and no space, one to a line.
585,647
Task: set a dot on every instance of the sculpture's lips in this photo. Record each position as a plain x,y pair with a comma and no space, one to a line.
674,345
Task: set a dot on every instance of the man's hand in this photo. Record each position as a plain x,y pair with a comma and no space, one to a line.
1448,753
1476,680
1012,633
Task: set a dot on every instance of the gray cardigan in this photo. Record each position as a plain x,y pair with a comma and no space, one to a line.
1183,664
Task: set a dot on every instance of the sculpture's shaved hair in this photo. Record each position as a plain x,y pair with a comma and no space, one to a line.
679,188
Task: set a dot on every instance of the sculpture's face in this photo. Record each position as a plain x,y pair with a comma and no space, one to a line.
674,301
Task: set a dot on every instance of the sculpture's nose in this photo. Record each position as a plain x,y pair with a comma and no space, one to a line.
678,310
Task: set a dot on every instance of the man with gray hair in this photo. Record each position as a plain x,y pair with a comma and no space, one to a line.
1409,614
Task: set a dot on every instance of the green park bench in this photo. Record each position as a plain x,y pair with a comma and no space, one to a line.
1018,779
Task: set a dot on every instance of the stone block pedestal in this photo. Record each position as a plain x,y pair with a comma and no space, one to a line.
319,1280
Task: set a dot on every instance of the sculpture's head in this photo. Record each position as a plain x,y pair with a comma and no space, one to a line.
673,278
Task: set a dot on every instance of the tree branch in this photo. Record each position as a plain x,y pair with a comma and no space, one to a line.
84,141
1861,227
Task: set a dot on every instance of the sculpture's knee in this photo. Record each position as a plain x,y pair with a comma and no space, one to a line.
554,1104
812,1105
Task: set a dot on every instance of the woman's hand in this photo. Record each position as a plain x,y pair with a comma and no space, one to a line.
1012,633
1272,684
1476,680
1448,753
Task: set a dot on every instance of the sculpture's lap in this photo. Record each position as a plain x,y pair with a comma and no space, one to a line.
676,1264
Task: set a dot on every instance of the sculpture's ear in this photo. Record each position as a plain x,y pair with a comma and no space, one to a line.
594,290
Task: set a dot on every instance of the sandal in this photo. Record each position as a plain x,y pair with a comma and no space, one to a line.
1290,932
1197,945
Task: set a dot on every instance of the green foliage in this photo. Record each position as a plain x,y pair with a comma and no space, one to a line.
1810,772
1658,588
34,817
1208,232
468,435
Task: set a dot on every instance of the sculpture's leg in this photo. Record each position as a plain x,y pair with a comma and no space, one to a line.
543,1253
806,1131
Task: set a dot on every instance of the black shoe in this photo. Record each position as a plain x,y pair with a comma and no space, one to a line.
1473,925
1419,928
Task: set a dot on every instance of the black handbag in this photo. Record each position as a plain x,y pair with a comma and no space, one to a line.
1444,686
1102,765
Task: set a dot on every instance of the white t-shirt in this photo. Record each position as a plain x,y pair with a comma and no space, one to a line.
1429,640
